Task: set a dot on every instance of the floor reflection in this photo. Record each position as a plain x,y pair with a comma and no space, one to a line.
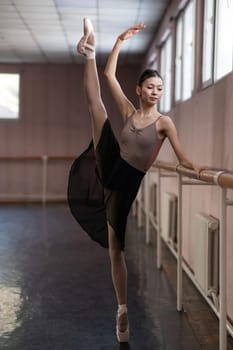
10,305
51,280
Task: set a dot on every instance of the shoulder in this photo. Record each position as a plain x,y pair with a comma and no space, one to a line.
165,125
165,119
165,122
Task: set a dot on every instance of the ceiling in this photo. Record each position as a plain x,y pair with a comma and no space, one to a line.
48,30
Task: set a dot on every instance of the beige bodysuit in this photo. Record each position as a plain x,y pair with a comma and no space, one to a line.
140,146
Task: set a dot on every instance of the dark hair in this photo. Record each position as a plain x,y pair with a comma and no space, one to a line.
148,73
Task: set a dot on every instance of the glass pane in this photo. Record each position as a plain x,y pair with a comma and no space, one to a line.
167,82
178,59
208,43
166,60
224,38
9,96
188,51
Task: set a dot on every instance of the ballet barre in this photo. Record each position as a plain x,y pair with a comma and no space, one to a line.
44,160
221,178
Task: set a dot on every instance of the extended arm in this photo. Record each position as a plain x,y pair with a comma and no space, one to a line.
125,106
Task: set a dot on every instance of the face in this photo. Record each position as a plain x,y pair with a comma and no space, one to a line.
151,90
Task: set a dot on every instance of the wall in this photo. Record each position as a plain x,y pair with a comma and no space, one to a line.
205,128
54,121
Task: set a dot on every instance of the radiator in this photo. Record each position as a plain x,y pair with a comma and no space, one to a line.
206,267
169,217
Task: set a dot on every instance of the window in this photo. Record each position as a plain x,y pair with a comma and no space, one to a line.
224,38
185,31
188,51
166,65
218,40
208,42
178,59
9,96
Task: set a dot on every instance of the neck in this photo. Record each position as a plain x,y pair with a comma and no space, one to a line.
148,112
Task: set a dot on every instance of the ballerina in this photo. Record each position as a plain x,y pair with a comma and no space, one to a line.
105,179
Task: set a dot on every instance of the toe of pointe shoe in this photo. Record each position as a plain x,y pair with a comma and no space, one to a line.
83,47
88,26
122,316
123,337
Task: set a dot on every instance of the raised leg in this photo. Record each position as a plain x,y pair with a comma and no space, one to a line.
96,107
98,114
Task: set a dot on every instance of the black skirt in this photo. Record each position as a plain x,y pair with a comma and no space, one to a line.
102,187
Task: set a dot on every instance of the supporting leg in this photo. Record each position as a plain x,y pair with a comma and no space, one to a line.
119,277
118,267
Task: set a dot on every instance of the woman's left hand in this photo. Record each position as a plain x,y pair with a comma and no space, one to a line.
131,31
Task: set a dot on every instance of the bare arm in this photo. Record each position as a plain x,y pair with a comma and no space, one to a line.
125,106
170,131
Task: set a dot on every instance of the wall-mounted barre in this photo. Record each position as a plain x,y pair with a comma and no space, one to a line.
221,178
44,161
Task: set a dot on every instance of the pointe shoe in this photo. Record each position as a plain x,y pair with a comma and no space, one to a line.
83,47
122,324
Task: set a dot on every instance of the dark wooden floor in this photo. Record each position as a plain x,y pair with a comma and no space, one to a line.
56,291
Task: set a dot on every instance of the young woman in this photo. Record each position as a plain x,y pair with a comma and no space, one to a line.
105,179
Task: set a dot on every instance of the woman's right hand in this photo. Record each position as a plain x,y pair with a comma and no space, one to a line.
131,31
